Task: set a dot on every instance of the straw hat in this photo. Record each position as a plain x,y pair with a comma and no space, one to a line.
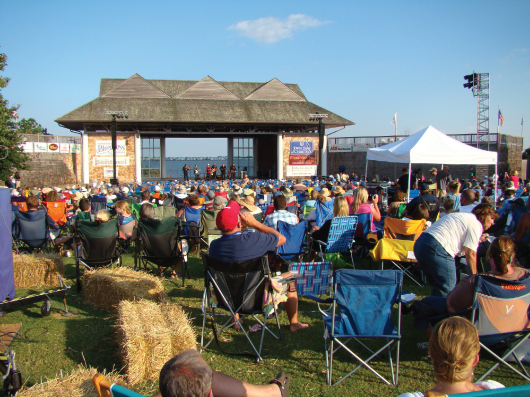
325,192
182,189
248,202
339,190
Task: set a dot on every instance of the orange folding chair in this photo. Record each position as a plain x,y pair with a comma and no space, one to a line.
22,206
57,211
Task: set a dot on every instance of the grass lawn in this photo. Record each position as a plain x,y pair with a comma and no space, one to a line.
54,344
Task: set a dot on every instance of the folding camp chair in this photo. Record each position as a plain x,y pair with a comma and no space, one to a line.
513,391
99,246
341,236
239,288
500,313
105,388
294,246
163,211
97,203
158,244
316,279
192,227
324,211
31,230
57,211
365,299
364,227
306,209
209,227
22,206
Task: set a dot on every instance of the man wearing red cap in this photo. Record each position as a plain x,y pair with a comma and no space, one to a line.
235,246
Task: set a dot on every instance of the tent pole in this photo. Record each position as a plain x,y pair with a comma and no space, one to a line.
410,180
366,169
495,178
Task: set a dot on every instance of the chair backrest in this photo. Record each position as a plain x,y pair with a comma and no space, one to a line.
163,211
83,216
434,209
193,219
501,306
414,194
22,206
513,391
364,225
57,211
324,211
99,241
341,233
31,227
294,235
404,229
222,194
208,221
401,209
97,203
259,216
366,298
238,285
159,239
306,209
317,277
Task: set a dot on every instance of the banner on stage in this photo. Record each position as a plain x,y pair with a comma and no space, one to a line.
40,147
302,153
64,148
107,161
104,148
27,147
301,170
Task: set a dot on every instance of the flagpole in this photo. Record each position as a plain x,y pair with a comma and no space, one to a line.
522,126
498,120
395,140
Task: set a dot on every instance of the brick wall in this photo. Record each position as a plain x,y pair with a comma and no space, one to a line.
52,169
125,173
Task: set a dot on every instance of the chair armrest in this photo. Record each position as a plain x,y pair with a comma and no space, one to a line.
317,299
290,279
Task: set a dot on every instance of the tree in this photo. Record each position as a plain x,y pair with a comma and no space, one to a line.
30,126
11,155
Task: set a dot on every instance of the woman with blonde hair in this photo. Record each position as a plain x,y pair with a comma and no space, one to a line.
340,208
126,221
454,350
361,205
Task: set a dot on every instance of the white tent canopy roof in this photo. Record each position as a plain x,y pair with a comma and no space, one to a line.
430,146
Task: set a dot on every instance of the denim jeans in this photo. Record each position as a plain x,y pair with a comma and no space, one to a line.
437,265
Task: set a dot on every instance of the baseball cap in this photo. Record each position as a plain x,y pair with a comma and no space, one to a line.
433,169
228,218
157,188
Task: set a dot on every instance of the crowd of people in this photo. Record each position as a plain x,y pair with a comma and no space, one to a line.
464,224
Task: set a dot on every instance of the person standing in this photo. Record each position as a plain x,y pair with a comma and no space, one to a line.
196,172
233,171
223,171
208,171
185,170
406,181
214,171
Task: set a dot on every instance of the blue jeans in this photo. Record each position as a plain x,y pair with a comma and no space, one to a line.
437,265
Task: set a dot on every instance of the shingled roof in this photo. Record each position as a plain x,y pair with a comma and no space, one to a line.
180,105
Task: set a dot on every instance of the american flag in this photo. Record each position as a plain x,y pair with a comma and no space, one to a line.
501,118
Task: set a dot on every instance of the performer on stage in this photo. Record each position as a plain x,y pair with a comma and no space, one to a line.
214,171
208,172
223,171
233,171
185,170
196,172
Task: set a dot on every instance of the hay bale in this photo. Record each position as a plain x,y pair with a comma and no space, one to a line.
150,334
37,269
76,384
106,288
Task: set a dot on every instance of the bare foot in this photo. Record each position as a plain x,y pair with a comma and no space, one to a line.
296,326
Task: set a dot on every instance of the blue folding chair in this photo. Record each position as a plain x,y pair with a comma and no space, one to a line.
294,246
341,236
31,230
500,313
324,211
365,299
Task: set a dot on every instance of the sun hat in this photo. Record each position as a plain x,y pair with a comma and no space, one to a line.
157,188
339,190
182,189
433,169
325,192
248,202
228,218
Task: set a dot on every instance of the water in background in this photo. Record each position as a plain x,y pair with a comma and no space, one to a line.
174,167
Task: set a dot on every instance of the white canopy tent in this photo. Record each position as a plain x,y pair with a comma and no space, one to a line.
430,146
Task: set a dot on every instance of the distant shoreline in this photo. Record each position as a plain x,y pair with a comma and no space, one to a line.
218,158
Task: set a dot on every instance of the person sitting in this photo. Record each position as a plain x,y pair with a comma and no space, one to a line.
33,204
448,206
361,205
454,350
248,203
208,204
146,198
111,195
235,246
156,193
280,213
219,203
467,201
340,208
188,375
453,191
425,197
509,197
399,198
84,211
126,221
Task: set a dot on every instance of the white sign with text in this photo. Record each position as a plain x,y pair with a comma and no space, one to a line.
104,148
107,161
301,170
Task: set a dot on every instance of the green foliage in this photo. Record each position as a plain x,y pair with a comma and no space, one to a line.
11,155
30,126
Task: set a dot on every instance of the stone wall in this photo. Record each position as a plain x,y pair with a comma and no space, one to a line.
52,169
125,173
287,148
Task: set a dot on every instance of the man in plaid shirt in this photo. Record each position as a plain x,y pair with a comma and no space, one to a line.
280,214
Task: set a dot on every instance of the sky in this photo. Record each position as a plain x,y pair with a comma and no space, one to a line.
363,60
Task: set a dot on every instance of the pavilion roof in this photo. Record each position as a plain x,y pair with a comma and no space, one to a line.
192,105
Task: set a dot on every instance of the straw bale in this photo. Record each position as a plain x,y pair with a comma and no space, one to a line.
150,334
106,288
37,269
76,384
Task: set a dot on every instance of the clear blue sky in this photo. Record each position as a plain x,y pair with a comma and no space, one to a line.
363,60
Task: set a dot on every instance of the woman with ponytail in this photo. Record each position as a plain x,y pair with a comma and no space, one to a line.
501,255
454,349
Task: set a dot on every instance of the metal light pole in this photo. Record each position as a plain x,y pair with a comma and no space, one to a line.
116,114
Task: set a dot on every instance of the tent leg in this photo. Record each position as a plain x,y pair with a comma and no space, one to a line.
366,169
495,179
410,180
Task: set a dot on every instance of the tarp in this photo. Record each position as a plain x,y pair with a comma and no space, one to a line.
430,146
7,278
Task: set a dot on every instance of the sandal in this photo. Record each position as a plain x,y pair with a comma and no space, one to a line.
174,274
160,272
282,380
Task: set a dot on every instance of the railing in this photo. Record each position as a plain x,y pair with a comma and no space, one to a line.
50,138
